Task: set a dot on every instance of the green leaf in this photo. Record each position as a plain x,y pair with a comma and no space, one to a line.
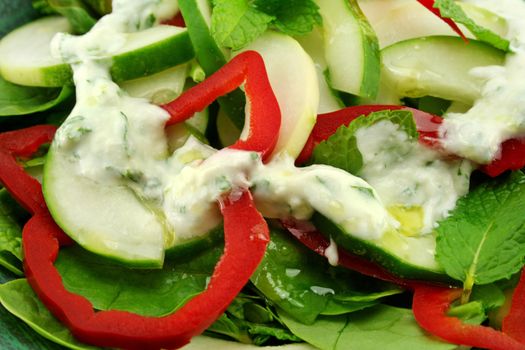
20,300
449,9
470,313
303,283
109,286
235,23
21,100
78,14
483,240
340,150
10,234
380,327
293,17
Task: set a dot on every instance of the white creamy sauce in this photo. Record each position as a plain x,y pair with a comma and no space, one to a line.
500,112
116,140
406,174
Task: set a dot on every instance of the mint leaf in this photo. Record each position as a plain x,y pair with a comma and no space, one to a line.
449,9
483,240
293,17
379,327
235,23
340,150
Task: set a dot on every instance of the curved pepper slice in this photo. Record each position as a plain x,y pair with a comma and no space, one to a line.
23,143
246,233
512,151
246,237
264,119
514,322
429,4
430,306
328,123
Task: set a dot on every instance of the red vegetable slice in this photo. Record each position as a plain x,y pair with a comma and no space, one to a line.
245,230
23,143
265,116
512,158
514,322
430,306
429,4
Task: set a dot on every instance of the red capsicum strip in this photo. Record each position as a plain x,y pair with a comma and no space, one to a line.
310,237
265,116
23,144
429,4
512,151
246,233
514,322
430,306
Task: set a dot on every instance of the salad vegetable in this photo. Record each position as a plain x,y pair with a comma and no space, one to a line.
317,174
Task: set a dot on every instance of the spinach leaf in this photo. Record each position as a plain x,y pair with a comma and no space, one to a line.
10,234
379,327
20,300
146,292
303,283
22,100
449,9
340,150
249,319
483,240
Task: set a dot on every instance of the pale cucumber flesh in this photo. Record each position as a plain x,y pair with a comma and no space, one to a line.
438,66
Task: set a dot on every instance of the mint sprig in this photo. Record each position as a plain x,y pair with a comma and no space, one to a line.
236,23
449,9
340,150
483,240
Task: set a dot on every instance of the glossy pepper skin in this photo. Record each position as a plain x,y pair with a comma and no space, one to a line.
245,230
430,306
512,155
429,4
264,120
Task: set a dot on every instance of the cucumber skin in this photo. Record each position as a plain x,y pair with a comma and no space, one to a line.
211,58
178,49
372,56
378,255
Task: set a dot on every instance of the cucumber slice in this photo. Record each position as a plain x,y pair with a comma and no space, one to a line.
25,57
411,20
437,66
407,257
352,52
106,220
158,88
294,81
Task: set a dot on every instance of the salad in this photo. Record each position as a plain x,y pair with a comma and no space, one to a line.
331,174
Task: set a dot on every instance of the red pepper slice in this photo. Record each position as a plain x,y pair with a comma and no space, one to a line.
265,116
429,4
177,21
512,158
430,305
23,143
245,230
514,322
328,123
246,238
309,236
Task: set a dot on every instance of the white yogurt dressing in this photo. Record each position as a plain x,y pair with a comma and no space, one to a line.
117,140
500,112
